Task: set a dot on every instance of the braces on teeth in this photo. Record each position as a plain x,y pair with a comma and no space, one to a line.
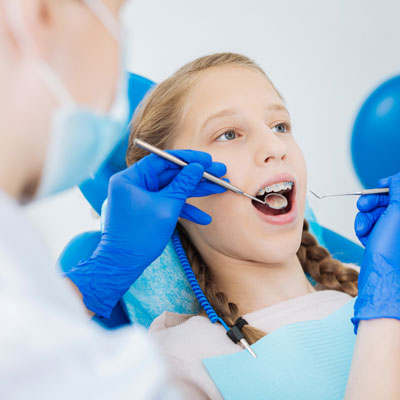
276,187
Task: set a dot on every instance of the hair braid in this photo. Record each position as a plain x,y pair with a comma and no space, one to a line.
225,309
319,264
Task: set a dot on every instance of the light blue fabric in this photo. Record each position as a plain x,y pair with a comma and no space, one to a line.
301,361
164,287
81,140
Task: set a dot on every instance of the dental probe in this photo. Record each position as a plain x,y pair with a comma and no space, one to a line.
359,193
140,143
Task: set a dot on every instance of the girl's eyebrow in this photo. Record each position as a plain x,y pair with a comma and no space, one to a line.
231,111
224,113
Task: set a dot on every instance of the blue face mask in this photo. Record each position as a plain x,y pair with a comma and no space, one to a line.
81,139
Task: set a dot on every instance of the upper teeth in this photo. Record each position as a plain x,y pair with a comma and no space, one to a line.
276,187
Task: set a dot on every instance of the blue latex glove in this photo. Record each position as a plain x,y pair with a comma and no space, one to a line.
144,204
377,226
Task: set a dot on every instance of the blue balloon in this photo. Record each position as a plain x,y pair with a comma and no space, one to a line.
375,142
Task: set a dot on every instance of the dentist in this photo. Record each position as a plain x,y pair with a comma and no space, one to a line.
376,362
62,111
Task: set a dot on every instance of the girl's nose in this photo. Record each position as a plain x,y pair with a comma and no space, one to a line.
270,146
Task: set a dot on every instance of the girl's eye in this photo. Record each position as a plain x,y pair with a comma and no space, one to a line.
281,128
228,135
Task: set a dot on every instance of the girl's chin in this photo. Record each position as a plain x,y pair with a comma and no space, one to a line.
278,248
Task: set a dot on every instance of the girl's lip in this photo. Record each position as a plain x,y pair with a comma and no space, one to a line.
281,219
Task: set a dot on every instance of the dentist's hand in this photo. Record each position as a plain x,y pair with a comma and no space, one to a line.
144,204
377,226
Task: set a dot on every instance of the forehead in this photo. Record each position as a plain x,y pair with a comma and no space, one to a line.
230,87
115,5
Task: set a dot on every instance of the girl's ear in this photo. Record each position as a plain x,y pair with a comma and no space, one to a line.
26,23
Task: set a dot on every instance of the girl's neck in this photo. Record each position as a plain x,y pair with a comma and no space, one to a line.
253,286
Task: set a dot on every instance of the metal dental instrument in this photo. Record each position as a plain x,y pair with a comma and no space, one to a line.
206,175
359,193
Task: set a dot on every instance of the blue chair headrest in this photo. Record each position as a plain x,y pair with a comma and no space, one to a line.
95,188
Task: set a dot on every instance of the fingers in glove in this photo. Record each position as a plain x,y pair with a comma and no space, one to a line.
365,222
146,172
184,184
394,189
369,202
393,182
157,164
206,188
166,177
217,169
195,215
384,182
193,156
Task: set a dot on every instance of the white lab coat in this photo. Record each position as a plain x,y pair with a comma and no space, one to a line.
49,348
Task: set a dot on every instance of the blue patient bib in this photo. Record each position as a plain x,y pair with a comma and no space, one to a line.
302,361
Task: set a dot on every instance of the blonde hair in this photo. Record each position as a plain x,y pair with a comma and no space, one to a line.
157,122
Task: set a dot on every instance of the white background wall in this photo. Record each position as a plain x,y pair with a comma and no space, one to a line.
325,57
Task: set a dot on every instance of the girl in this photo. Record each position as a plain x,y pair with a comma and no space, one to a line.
251,261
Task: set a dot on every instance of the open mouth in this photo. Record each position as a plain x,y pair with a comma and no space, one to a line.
277,193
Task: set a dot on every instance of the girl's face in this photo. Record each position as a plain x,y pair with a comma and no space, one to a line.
236,115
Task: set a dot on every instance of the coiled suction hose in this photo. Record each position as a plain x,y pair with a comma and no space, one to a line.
212,315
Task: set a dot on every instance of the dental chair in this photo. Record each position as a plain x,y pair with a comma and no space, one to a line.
163,286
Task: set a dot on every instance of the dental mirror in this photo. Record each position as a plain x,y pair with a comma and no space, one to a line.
276,201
